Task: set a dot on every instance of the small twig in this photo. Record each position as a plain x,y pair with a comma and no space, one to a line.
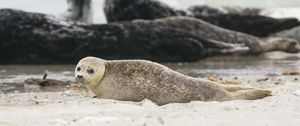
45,76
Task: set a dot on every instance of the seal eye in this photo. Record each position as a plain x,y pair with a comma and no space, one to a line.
90,71
78,68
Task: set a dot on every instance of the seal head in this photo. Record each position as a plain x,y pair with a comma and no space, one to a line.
281,44
89,71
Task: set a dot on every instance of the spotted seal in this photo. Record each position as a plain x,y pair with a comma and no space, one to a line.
135,80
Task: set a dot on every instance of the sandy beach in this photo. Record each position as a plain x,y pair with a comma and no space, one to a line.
64,106
72,108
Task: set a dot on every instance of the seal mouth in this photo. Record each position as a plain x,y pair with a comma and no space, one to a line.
80,80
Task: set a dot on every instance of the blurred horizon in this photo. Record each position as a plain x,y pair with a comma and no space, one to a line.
58,7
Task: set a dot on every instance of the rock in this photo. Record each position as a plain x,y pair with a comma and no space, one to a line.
287,27
243,20
247,20
205,10
242,10
256,25
127,10
38,38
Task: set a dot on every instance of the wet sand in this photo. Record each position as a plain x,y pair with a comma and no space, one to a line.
69,107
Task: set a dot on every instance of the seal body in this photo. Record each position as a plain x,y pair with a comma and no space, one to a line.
135,80
233,41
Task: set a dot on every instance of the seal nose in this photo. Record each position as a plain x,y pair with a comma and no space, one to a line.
79,76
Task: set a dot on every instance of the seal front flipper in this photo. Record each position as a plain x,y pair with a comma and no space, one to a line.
233,50
215,47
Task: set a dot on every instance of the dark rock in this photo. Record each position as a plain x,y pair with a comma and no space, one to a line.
255,25
205,10
38,38
243,11
245,21
127,10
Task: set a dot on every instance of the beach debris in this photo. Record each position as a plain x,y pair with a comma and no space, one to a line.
291,72
263,79
272,74
45,75
227,82
278,82
44,82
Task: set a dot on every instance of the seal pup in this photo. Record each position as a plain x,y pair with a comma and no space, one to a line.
136,80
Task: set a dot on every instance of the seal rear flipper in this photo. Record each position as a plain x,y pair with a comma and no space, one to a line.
251,94
234,88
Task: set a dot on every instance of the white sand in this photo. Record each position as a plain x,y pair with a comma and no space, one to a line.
71,108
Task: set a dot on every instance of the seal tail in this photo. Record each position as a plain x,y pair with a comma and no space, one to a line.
251,94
